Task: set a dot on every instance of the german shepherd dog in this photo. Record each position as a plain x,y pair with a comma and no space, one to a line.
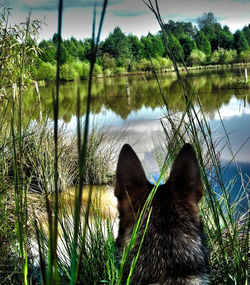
174,249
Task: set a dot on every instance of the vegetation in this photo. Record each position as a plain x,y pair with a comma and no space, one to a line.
209,43
41,240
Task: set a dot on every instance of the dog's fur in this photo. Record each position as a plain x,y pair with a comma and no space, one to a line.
173,250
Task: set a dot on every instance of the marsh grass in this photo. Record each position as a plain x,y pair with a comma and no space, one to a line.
76,246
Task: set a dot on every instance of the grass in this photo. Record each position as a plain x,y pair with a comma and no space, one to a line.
72,241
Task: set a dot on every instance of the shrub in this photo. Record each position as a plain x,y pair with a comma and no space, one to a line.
227,56
197,57
68,72
97,70
215,58
156,64
145,65
165,62
120,70
244,56
46,71
107,72
85,70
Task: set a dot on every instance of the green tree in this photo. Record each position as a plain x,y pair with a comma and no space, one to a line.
209,26
246,31
203,43
225,38
136,47
180,28
148,46
188,45
240,42
48,51
116,44
175,48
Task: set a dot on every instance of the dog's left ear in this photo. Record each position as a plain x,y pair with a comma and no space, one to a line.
129,169
185,175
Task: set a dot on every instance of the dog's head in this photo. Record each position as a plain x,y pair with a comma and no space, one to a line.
180,194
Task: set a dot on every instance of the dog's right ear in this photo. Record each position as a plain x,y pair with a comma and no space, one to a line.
129,172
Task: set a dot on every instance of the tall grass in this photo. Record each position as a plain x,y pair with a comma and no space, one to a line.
227,227
74,245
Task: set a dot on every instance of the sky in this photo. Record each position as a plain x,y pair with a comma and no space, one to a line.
132,16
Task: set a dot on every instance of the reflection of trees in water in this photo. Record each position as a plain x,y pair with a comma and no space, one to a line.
110,93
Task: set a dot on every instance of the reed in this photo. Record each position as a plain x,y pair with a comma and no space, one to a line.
74,244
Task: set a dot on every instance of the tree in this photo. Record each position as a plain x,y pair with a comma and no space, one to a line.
209,26
148,46
175,48
203,43
136,47
240,41
206,20
225,38
116,44
246,31
180,28
48,53
188,45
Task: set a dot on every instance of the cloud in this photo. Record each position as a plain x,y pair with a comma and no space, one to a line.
48,5
128,13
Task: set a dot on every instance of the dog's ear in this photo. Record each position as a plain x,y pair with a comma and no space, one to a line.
131,190
129,169
185,176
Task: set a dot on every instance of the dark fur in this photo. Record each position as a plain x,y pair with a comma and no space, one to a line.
174,248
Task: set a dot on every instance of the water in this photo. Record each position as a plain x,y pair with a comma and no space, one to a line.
221,96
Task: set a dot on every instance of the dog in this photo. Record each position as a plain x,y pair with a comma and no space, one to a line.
173,250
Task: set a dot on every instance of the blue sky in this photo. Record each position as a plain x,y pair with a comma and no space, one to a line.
131,15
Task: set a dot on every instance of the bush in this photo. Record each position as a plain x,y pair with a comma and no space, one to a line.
145,65
68,72
165,62
85,70
107,72
120,70
156,64
46,71
97,70
197,57
244,56
227,56
215,58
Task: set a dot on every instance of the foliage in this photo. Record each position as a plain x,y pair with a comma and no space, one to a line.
246,31
120,53
175,48
116,44
197,57
181,28
203,43
227,56
188,45
240,41
225,38
46,71
68,72
245,56
19,50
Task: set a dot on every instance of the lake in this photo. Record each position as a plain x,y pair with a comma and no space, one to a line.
221,96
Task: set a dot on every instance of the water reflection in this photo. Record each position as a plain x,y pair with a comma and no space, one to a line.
110,95
140,113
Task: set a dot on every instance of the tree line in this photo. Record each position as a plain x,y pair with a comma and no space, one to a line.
207,43
195,45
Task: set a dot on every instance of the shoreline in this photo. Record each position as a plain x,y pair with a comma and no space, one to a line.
168,70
